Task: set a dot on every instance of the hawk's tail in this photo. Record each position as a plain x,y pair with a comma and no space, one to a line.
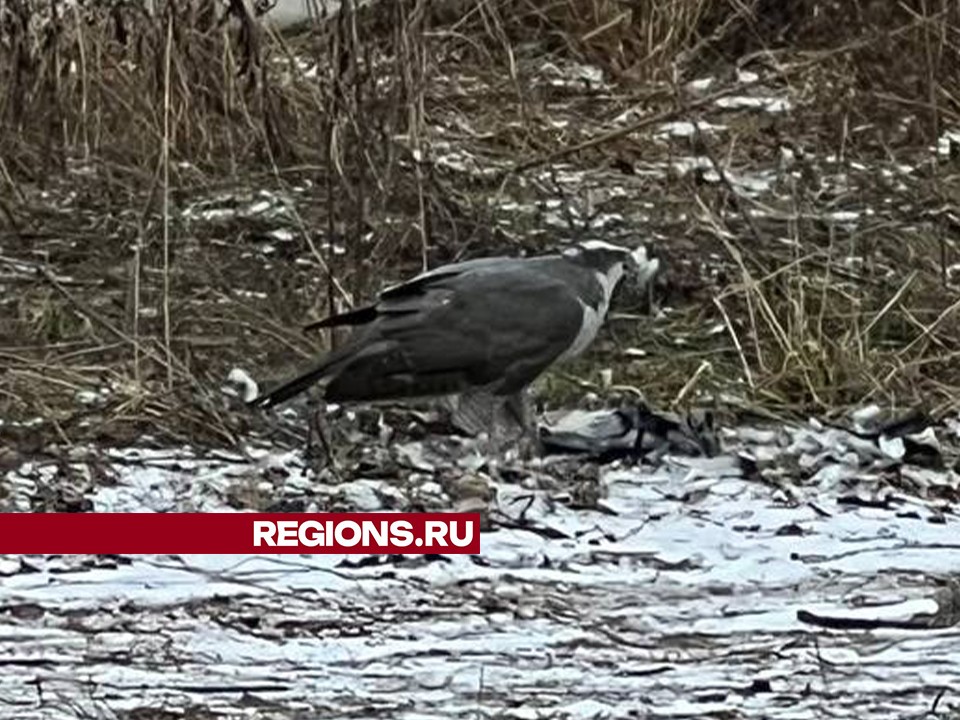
292,387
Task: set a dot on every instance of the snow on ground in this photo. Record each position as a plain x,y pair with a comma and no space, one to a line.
675,596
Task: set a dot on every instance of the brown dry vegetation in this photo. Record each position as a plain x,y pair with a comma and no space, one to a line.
401,134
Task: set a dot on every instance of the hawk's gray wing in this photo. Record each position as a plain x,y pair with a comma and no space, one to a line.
491,323
498,329
393,296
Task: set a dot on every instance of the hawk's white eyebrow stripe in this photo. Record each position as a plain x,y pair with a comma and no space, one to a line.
602,245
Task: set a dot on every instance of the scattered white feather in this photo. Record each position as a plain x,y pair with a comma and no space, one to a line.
866,417
893,448
240,384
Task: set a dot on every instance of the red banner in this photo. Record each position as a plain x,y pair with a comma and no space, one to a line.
230,533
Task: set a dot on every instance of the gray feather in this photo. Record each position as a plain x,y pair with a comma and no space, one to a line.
492,323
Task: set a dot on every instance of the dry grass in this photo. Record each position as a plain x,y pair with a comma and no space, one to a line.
399,135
